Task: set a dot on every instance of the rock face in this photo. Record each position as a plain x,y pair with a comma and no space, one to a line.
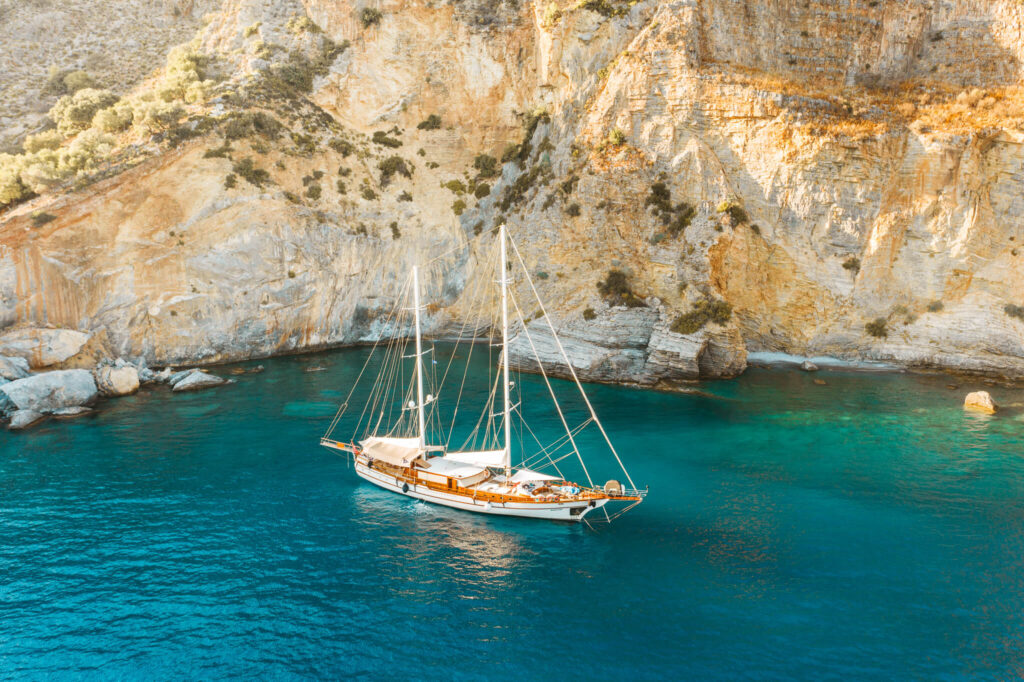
817,166
632,345
980,401
42,347
52,391
13,368
116,381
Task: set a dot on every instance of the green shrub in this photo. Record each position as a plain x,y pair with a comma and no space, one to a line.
247,169
343,147
66,82
482,190
1014,311
40,218
573,210
432,122
341,187
157,117
551,15
304,144
935,307
478,228
369,194
606,8
542,275
230,181
617,291
369,17
74,113
313,191
456,186
486,166
114,119
616,137
253,29
380,137
517,191
675,218
589,314
299,24
405,196
703,311
292,197
877,327
391,166
755,228
344,172
737,216
395,232
852,264
459,206
49,139
220,152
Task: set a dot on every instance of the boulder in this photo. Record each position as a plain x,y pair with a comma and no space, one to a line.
196,380
42,347
22,419
175,377
146,375
52,391
12,368
979,401
116,381
808,366
163,376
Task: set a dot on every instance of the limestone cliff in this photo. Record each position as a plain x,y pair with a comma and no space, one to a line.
829,178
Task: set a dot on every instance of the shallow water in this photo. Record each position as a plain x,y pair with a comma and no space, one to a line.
867,529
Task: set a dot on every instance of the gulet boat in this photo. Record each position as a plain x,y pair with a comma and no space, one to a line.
400,444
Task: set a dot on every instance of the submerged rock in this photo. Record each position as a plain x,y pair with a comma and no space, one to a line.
808,366
23,419
117,381
980,401
72,412
52,391
197,380
42,347
13,368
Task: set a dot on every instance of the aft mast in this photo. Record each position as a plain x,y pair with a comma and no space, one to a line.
419,358
502,273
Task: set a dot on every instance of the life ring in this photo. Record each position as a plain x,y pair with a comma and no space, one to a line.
405,487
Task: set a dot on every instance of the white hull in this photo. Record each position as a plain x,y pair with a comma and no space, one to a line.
553,511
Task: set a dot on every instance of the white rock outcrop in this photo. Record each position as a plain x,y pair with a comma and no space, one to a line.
52,391
23,419
196,380
12,368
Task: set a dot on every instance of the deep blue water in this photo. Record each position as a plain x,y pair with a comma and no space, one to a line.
867,529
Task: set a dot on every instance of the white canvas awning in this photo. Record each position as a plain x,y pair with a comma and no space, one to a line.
399,452
524,475
480,458
452,469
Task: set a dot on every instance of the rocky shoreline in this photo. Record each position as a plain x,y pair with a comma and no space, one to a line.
61,374
42,377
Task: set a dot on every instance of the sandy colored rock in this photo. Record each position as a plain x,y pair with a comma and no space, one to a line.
42,347
116,381
980,401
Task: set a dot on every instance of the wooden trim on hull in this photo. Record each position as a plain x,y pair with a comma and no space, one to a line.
554,511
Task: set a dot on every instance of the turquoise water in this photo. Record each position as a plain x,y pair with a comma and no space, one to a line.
866,529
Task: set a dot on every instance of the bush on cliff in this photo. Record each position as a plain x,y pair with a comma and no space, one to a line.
877,328
704,310
74,113
616,290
